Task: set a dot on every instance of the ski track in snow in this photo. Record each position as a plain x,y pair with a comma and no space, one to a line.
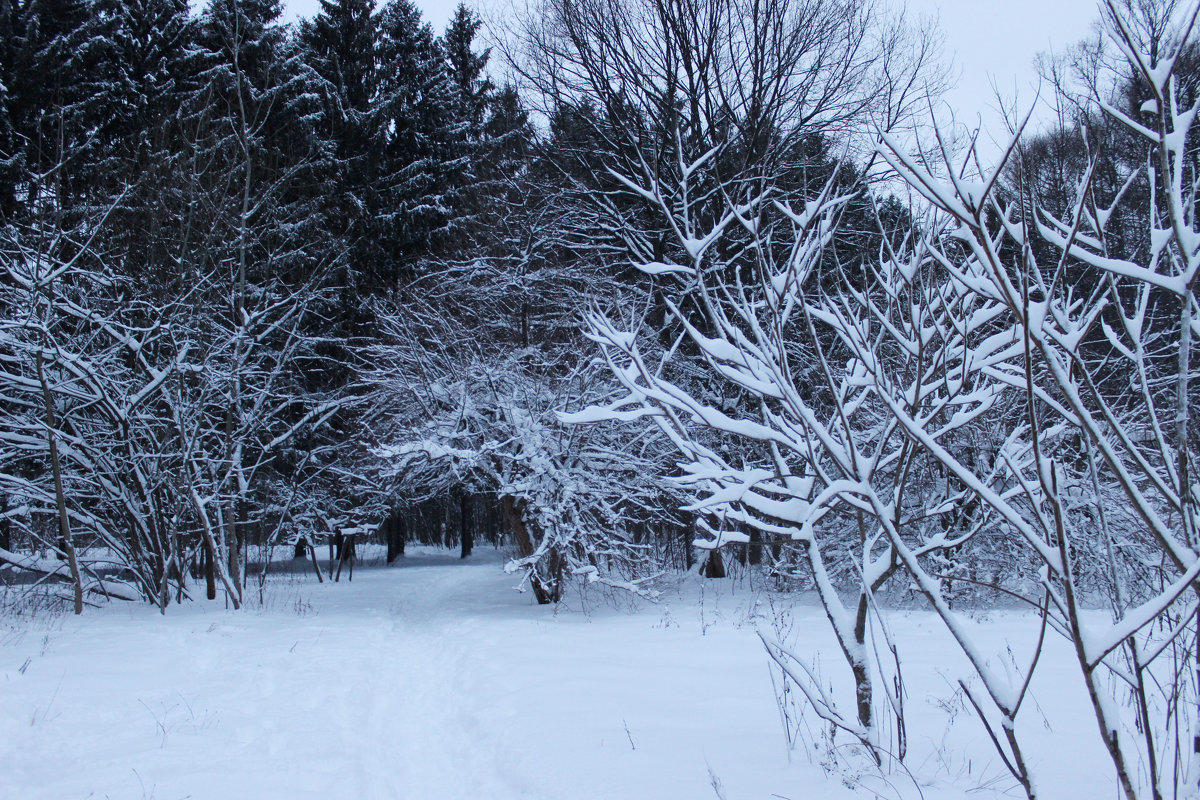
435,680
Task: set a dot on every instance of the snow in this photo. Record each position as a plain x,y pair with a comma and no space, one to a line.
433,679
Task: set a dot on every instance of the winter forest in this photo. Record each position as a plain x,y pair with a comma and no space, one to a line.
594,399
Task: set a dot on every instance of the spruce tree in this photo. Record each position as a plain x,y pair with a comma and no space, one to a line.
416,106
472,89
341,47
469,184
55,65
144,170
251,112
149,47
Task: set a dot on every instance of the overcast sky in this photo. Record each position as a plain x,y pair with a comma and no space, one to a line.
991,42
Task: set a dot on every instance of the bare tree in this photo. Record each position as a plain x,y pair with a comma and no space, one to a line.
1105,376
704,118
455,410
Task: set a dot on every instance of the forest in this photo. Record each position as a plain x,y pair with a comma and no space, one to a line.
634,292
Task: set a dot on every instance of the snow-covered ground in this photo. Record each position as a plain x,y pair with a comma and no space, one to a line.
433,679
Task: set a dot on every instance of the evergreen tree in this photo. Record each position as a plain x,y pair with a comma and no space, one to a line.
10,158
251,110
472,89
149,47
55,65
416,106
340,45
481,139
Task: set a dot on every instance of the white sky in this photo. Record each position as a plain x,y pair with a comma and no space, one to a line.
436,11
991,43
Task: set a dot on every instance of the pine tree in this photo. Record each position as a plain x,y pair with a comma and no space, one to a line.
55,65
340,45
416,106
473,90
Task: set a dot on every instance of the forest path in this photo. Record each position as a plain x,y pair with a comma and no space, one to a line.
429,679
433,680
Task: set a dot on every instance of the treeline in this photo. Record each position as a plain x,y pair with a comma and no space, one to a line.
992,402
263,281
364,143
198,217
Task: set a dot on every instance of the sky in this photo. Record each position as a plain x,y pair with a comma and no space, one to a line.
437,12
991,43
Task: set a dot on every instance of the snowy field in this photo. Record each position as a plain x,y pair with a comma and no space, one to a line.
432,679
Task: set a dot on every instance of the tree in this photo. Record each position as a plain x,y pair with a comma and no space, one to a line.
56,70
1105,379
341,44
85,386
472,88
690,129
460,403
416,106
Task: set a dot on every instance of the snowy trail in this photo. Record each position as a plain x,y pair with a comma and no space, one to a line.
369,695
434,679
430,680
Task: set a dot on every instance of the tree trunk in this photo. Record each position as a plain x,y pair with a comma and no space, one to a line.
755,547
5,528
345,556
395,529
312,551
552,586
546,591
438,531
60,499
467,536
513,513
233,546
210,572
714,565
862,675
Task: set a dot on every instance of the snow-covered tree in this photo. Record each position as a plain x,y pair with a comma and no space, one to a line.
1106,379
464,399
698,142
